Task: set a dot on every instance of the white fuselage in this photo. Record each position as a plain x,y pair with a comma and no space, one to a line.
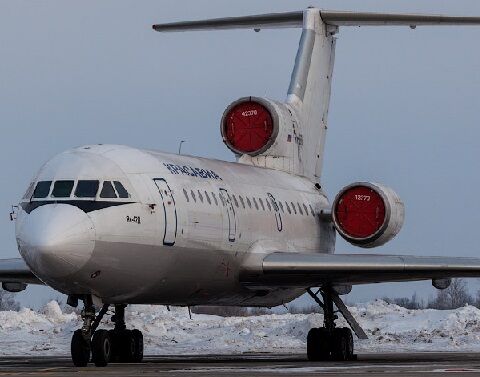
182,236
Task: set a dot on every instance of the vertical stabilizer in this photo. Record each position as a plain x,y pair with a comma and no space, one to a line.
310,87
290,136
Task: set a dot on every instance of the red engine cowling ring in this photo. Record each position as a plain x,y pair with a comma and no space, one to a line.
367,214
249,126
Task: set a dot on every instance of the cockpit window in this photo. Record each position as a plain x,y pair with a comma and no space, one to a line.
107,190
29,192
62,189
122,192
42,189
87,189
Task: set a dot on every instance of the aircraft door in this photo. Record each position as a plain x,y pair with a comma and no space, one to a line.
169,210
232,223
276,209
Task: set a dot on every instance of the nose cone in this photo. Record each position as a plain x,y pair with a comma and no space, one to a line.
56,240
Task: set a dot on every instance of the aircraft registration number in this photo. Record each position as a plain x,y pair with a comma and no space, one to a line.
133,219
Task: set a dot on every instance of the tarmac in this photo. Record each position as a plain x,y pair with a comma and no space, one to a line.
388,364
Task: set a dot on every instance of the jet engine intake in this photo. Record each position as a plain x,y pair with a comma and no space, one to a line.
367,214
250,125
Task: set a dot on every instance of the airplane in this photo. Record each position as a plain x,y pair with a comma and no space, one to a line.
112,225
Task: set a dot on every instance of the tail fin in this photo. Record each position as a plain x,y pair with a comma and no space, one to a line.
309,91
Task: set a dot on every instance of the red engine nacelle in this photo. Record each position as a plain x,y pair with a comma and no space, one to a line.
249,125
368,214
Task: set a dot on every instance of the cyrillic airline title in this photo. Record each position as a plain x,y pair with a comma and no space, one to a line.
192,172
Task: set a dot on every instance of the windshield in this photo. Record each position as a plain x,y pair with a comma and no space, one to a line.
42,190
87,189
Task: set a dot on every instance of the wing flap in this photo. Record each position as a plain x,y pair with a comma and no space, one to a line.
288,269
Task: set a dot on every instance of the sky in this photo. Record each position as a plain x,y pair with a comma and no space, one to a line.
404,107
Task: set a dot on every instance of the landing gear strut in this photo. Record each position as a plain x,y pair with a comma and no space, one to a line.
329,342
117,345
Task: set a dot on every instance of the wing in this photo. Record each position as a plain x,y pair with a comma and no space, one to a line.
288,269
15,270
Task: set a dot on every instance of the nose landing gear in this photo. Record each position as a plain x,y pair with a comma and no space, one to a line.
104,346
330,342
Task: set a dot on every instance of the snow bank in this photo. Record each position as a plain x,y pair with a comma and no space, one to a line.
390,328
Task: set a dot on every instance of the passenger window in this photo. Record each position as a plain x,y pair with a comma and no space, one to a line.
261,203
107,190
241,201
255,202
207,197
62,189
293,207
249,202
87,189
214,198
200,196
299,208
281,206
235,200
42,190
186,195
305,209
29,192
311,210
288,208
193,196
122,191
268,204
222,199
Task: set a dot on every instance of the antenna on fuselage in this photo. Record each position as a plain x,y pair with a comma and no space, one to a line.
180,146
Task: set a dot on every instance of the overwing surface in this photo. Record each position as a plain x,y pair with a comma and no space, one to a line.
290,269
15,270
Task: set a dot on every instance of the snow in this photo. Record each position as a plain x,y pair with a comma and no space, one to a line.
390,329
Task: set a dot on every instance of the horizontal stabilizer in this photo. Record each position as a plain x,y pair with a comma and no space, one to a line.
336,18
339,18
260,21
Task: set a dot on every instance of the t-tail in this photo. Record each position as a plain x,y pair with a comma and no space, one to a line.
290,135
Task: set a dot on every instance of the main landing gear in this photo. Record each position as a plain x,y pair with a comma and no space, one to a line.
330,342
117,345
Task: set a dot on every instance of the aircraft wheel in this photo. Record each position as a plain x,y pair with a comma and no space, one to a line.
101,348
80,349
342,349
126,346
138,349
318,344
115,352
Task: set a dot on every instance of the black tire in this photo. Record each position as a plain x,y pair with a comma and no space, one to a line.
350,346
318,344
126,346
138,348
115,353
342,344
80,349
101,348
